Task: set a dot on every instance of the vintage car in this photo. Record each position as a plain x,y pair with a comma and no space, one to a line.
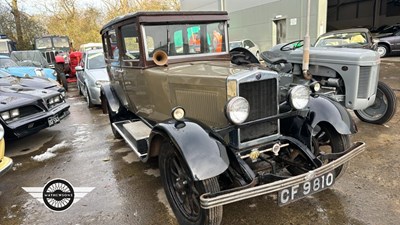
22,71
247,44
90,46
6,45
24,111
348,38
5,162
221,132
7,79
91,75
51,46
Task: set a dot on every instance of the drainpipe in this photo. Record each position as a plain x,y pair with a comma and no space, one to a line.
306,47
222,5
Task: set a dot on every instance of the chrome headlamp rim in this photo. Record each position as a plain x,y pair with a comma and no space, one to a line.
178,113
231,110
299,96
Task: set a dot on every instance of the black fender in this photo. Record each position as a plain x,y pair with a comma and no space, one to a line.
204,154
323,109
113,101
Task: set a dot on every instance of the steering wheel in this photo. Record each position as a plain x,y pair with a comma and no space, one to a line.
292,45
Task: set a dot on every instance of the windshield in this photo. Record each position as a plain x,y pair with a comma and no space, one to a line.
235,44
4,74
3,47
42,43
352,39
7,63
96,61
61,42
186,39
390,30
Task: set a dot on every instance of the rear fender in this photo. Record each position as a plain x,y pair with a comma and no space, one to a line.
205,155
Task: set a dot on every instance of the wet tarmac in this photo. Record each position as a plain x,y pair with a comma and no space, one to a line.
82,150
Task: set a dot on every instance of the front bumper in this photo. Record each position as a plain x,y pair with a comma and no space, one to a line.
95,95
34,123
209,200
5,165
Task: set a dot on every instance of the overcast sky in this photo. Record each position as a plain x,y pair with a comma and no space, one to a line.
35,6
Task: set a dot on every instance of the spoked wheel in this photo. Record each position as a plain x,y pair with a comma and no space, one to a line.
383,108
325,140
183,192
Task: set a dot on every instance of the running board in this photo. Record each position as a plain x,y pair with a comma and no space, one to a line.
136,135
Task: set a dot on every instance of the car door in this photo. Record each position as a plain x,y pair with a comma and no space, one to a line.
113,61
134,80
396,41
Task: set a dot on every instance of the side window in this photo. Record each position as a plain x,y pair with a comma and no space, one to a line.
130,42
110,44
251,44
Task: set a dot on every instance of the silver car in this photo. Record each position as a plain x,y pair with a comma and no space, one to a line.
91,75
247,44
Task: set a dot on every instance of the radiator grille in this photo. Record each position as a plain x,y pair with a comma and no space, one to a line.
262,97
364,82
50,56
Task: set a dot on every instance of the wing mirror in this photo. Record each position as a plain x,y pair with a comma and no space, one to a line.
78,68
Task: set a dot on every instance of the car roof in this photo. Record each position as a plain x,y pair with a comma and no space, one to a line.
169,16
94,51
91,44
361,30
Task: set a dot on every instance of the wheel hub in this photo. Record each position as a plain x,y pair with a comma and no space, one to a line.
181,185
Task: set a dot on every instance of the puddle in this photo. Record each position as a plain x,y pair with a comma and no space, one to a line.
130,158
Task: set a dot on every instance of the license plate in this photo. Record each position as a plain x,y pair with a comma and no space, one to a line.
299,191
53,120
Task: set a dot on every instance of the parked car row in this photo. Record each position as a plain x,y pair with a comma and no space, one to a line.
31,99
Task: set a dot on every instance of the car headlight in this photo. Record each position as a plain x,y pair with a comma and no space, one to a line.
14,113
299,96
237,110
11,114
1,132
5,115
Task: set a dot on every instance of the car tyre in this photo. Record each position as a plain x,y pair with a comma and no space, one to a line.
383,50
62,80
183,192
79,88
88,98
327,140
383,108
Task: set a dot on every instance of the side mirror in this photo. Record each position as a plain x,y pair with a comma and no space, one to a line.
79,68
